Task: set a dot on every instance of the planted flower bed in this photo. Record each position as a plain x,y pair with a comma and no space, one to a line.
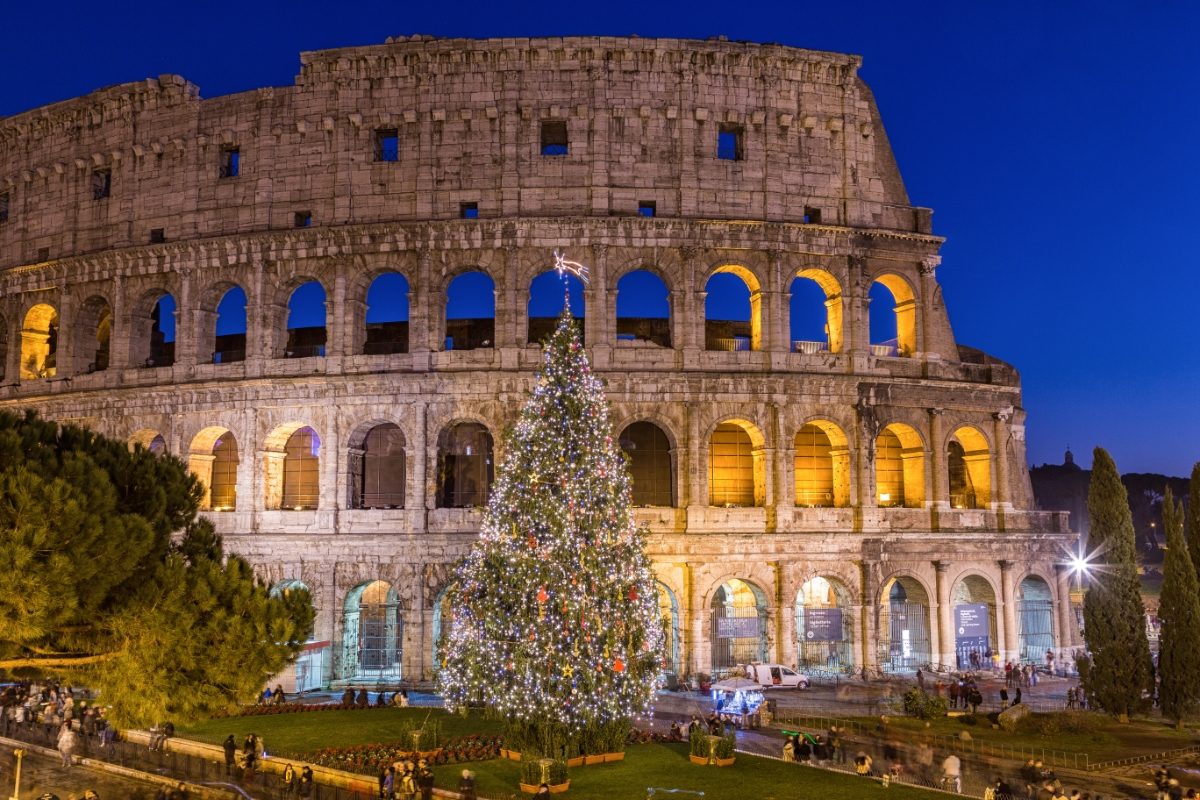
295,708
370,758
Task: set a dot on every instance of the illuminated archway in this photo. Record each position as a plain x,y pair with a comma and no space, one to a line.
739,625
307,672
386,319
547,294
968,467
39,343
899,467
650,464
824,625
892,317
93,334
465,470
152,330
1035,619
668,612
643,309
229,327
973,603
736,466
148,439
377,467
904,642
292,468
371,633
213,459
821,466
471,312
732,310
306,331
816,312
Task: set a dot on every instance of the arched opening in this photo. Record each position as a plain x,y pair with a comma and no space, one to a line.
815,311
387,315
291,468
471,312
824,625
93,331
893,317
39,343
464,466
732,310
904,625
308,670
547,294
371,633
443,621
821,466
650,467
899,467
968,466
213,459
306,321
1035,615
668,612
739,625
377,468
229,342
735,466
974,604
152,331
643,309
150,440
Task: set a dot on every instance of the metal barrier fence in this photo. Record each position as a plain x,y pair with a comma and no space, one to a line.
183,766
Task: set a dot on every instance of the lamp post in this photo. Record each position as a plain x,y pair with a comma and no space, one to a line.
16,795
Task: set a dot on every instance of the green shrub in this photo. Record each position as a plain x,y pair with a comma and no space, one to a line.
918,703
698,741
725,746
1053,724
531,772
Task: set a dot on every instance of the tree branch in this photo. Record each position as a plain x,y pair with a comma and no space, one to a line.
57,661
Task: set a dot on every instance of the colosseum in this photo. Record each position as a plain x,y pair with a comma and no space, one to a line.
326,299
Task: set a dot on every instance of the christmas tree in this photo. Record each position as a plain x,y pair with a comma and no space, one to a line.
555,624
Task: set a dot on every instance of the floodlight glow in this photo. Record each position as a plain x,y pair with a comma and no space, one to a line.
1080,565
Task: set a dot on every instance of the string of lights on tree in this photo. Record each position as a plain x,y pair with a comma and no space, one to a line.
554,612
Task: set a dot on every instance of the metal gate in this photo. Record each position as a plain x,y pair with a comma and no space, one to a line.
739,636
1035,627
371,642
835,656
908,636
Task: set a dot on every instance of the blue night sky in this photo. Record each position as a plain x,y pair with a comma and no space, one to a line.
1056,145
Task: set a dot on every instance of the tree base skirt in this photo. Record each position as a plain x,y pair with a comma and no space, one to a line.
556,788
699,760
511,755
720,762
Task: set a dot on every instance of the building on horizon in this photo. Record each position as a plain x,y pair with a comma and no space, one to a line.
326,299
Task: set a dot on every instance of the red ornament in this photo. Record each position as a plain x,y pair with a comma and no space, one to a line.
532,541
541,595
618,666
633,595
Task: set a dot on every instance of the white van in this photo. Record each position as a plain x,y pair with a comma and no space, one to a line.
770,676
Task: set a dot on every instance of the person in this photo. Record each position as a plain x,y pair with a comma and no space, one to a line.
920,679
693,725
1008,674
862,764
676,733
952,773
305,786
975,698
543,792
804,751
424,779
837,750
1070,697
230,748
280,698
408,784
385,782
1050,661
178,793
404,698
953,694
363,700
381,700
289,781
466,785
66,744
1003,698
348,697
265,698
789,749
1017,697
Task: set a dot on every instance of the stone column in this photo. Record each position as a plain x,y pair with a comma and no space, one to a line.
419,483
1001,498
68,343
1062,604
259,341
1008,610
512,316
691,321
354,470
783,621
12,357
696,453
598,315
187,352
859,317
945,621
336,328
678,323
200,465
690,622
928,269
867,630
272,477
422,316
937,461
249,492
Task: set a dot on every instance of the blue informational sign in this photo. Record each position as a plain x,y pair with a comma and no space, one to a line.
823,625
972,620
737,627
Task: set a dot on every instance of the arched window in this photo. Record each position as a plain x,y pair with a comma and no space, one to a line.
815,308
546,295
464,466
893,317
471,312
162,333
824,624
649,454
734,467
306,321
372,631
732,310
39,343
739,625
899,467
1035,614
150,440
379,474
822,466
974,622
904,623
93,332
229,343
387,315
668,611
223,485
643,309
968,464
301,470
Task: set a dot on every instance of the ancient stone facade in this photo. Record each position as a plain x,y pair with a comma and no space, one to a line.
436,158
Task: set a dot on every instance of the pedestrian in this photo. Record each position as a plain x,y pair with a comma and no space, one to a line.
385,783
66,744
363,699
408,783
543,793
424,779
178,793
789,750
1070,697
1008,674
305,787
952,773
837,748
1003,698
466,785
348,697
230,748
289,781
953,694
862,764
975,698
920,679
1017,697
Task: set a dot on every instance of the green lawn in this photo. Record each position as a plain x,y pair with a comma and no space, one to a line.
294,734
667,766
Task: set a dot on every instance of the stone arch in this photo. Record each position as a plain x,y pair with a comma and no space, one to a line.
470,312
824,609
973,594
308,671
307,319
443,621
291,468
902,322
148,439
213,458
92,332
223,318
385,308
546,300
152,329
968,468
899,467
821,465
1035,618
668,612
642,308
833,312
736,464
739,611
377,454
465,465
723,297
651,458
39,342
372,633
904,622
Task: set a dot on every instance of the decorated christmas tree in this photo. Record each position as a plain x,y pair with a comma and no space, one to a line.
555,624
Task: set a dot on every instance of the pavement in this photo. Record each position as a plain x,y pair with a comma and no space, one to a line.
41,774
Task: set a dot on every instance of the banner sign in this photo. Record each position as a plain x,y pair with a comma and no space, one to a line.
971,620
823,625
737,627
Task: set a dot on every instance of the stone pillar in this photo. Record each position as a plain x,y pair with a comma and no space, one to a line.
272,477
1062,604
354,470
691,316
1008,611
940,481
420,495
1001,498
679,323
783,621
867,630
927,268
259,341
945,620
423,317
767,499
598,315
68,343
336,322
697,449
12,356
200,465
860,320
690,622
512,316
249,474
187,353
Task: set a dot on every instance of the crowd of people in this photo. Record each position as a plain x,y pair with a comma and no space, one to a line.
405,780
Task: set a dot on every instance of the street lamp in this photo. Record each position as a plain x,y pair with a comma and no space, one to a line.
16,795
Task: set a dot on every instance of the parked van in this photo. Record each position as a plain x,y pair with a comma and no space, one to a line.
771,676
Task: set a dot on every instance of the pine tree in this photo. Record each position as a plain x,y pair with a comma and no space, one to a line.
1179,612
1120,673
555,611
1192,517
